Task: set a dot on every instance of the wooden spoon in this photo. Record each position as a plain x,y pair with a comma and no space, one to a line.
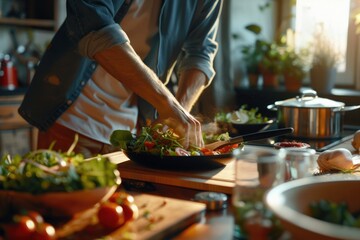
250,137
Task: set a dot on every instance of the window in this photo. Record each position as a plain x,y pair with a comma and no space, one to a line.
335,20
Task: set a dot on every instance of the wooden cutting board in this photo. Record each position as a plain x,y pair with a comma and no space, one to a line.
218,180
159,218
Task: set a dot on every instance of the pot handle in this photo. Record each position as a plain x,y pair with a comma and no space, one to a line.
348,108
272,107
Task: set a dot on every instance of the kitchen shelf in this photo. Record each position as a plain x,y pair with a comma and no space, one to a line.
38,14
38,23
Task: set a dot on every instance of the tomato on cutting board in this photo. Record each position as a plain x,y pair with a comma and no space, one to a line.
44,231
127,202
22,227
29,225
110,215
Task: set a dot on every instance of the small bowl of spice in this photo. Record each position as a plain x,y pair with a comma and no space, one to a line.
291,144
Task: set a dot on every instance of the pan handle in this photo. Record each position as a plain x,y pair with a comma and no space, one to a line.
348,108
261,135
272,107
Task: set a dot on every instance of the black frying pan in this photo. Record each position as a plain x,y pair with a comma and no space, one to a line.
180,162
199,162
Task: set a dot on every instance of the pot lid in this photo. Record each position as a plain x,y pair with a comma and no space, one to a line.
309,99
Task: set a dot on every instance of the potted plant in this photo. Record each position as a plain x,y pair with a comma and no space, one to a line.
262,57
270,64
325,58
294,68
251,55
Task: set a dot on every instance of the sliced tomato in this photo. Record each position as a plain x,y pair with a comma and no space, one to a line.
149,145
227,149
206,151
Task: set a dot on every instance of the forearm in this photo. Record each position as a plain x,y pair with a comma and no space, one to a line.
124,64
191,84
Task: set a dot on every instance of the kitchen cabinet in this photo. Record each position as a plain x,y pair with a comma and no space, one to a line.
38,14
16,135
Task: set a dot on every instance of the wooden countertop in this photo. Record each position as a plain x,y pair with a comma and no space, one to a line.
217,180
180,220
217,224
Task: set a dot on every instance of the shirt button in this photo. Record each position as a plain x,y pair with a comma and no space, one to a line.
93,65
82,83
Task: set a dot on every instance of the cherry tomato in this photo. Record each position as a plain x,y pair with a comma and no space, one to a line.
111,215
44,231
127,202
121,198
36,217
131,211
22,228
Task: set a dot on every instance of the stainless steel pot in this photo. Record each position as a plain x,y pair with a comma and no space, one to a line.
311,116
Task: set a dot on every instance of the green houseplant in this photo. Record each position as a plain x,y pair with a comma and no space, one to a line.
270,64
294,68
262,57
252,54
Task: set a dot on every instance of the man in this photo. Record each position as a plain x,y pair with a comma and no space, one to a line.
111,59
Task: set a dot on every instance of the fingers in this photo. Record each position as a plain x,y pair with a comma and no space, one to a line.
193,135
189,131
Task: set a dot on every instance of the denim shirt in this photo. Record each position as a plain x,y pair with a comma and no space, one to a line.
186,28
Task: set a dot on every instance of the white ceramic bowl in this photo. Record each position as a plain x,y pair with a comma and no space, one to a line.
290,202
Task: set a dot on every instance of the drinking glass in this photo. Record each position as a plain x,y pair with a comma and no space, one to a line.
257,169
299,162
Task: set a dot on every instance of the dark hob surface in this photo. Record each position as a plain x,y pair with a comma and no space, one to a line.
319,145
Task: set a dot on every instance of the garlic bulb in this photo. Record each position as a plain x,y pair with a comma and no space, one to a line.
356,141
338,159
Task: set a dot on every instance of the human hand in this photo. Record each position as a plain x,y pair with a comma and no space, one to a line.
187,127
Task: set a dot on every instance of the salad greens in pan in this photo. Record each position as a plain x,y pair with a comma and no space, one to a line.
163,141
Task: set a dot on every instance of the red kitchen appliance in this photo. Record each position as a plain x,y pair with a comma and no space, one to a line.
8,74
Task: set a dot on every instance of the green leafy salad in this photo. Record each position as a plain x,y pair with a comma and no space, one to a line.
50,171
158,140
243,116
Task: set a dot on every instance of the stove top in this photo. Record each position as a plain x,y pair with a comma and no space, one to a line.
319,145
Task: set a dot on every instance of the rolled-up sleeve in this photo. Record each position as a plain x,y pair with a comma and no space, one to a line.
201,47
102,39
91,24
